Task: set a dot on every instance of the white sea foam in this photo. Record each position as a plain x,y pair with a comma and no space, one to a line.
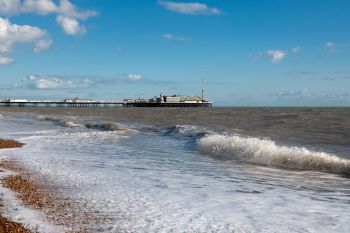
17,212
267,152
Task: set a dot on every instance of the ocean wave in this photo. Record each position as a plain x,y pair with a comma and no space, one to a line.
60,121
185,131
106,126
70,124
267,152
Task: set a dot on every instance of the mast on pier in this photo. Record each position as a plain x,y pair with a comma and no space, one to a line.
202,89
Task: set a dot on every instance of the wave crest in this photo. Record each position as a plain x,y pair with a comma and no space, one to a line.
267,152
69,123
60,121
106,126
185,131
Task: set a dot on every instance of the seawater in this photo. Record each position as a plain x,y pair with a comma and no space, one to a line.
194,170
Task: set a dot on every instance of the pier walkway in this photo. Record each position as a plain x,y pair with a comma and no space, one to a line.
58,103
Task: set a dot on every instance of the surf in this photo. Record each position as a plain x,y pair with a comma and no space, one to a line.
267,152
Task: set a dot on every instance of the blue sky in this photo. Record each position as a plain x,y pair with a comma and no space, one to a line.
249,52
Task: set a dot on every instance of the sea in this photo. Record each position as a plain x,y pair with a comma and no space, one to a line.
188,169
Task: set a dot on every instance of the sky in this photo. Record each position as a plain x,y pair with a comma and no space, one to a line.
248,52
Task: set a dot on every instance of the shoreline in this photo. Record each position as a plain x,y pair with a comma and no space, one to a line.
37,194
7,225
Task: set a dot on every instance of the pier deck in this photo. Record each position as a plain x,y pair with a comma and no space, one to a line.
46,103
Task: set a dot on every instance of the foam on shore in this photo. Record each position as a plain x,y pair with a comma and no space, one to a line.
16,211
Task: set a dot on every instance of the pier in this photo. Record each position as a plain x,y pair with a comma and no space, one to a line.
99,104
177,101
57,103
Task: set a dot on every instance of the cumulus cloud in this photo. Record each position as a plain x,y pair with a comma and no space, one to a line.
44,7
68,15
190,8
5,60
174,37
53,83
276,55
9,7
70,26
66,8
12,34
134,77
41,7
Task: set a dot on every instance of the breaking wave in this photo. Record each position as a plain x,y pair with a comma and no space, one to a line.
267,152
185,131
60,121
106,126
68,123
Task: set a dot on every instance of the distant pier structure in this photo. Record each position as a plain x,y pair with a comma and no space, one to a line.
162,101
59,103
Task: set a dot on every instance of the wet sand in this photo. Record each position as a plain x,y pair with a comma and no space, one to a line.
5,144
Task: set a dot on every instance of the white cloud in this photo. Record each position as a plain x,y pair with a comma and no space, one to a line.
296,50
174,37
333,47
5,60
276,55
41,45
41,7
9,7
70,26
134,77
12,34
44,7
68,13
69,83
53,83
66,8
190,8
